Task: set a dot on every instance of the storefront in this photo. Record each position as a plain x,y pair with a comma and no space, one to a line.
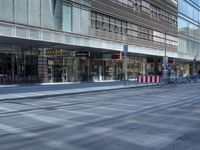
18,65
136,66
49,65
183,68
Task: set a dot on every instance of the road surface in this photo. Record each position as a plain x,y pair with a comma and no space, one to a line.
152,118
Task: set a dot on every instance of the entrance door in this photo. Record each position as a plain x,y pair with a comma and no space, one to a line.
50,74
2,77
1,67
64,74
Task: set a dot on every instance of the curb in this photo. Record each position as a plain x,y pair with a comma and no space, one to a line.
75,93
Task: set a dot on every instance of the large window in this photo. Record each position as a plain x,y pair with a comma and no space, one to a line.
6,10
189,10
47,14
21,11
110,24
81,20
50,14
66,18
188,28
188,46
34,12
151,10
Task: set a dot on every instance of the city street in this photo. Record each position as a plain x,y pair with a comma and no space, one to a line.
151,118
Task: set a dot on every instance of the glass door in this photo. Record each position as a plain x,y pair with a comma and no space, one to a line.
64,74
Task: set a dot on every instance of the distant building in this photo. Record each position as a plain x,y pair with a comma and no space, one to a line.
189,35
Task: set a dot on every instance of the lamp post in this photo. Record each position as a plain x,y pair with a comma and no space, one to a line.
125,50
165,61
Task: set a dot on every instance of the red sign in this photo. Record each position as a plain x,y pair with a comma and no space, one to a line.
117,56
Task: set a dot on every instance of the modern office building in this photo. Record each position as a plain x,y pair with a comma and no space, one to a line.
82,40
189,36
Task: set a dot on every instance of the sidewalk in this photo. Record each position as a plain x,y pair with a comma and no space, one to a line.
48,90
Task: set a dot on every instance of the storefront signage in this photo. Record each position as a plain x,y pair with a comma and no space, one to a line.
54,52
117,56
81,54
107,56
110,56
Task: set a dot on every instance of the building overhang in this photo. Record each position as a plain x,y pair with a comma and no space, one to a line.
27,36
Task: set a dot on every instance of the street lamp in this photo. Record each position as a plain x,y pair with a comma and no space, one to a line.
165,62
125,50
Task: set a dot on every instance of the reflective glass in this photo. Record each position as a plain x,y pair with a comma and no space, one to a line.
34,12
47,17
6,10
66,19
21,11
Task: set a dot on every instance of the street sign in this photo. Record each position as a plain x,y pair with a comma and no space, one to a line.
125,48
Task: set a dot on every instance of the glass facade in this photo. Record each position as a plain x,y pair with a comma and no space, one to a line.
189,27
67,18
33,65
189,33
50,14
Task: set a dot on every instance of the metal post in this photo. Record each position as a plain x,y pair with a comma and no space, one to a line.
165,58
125,67
88,66
125,50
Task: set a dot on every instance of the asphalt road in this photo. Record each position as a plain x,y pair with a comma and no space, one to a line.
153,118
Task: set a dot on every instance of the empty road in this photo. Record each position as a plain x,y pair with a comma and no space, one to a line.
153,118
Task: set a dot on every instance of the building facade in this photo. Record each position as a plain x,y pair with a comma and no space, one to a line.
82,40
189,36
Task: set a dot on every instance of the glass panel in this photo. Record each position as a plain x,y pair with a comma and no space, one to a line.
76,16
34,12
47,14
81,21
21,11
85,21
57,14
66,21
6,10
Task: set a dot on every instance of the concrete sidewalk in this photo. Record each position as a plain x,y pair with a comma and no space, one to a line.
49,90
